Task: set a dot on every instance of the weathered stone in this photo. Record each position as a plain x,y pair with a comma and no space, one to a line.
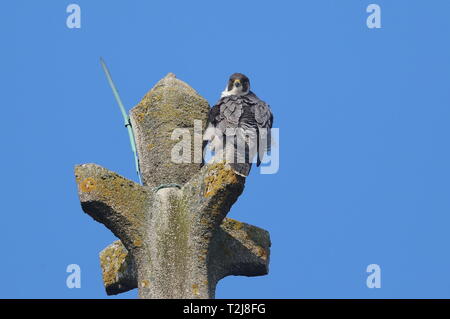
118,270
177,242
118,203
170,104
237,249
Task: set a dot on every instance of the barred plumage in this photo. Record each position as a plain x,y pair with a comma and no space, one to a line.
241,112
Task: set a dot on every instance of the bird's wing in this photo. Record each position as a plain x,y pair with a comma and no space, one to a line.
230,112
263,114
226,113
264,121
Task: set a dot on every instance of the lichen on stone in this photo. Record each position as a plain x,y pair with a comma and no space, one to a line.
229,222
87,185
195,290
217,176
113,262
173,244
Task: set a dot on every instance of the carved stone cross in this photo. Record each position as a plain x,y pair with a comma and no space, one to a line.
174,242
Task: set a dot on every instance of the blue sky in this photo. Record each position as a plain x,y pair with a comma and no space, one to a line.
363,117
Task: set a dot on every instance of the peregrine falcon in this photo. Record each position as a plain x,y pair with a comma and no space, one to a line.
239,126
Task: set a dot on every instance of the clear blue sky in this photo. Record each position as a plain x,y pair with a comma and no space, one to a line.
364,134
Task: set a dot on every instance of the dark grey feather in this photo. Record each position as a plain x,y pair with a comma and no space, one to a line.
246,112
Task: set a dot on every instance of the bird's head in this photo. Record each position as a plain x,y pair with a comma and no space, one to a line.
238,84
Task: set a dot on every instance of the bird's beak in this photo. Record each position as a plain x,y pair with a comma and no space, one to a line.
237,83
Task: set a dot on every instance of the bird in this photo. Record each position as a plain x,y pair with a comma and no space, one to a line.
238,126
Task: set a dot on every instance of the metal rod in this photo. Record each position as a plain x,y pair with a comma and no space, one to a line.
124,115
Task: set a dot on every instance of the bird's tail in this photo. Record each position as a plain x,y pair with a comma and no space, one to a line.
204,144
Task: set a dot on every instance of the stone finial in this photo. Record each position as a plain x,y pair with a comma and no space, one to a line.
170,104
174,242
